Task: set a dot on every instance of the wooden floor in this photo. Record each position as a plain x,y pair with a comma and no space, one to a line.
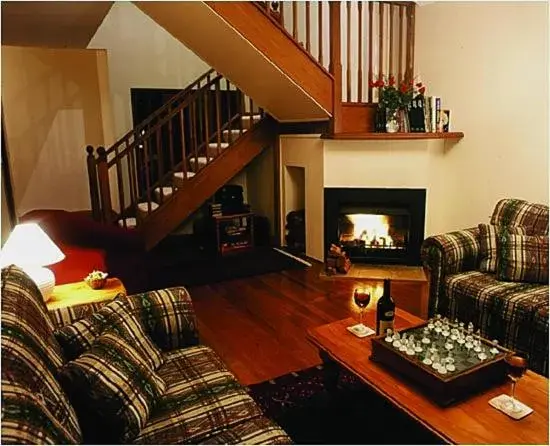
258,325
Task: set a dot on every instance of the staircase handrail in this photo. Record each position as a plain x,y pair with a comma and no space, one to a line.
140,137
178,96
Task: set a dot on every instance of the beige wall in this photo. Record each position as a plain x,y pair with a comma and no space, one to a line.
141,54
489,63
54,103
306,152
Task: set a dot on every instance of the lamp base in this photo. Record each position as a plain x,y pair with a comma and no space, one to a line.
44,279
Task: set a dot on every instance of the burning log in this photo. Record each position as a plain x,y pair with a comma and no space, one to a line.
337,261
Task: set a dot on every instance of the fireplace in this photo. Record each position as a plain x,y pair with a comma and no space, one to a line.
383,226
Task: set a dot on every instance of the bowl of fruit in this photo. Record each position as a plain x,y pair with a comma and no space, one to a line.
96,279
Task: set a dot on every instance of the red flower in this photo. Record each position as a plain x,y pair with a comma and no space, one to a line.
379,83
419,85
403,88
421,90
391,81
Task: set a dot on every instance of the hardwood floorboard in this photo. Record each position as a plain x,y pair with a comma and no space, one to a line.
258,325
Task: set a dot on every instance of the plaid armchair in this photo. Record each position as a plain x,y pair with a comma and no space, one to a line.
201,401
514,313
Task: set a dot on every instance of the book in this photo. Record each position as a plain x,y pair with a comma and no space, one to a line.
416,114
445,121
435,105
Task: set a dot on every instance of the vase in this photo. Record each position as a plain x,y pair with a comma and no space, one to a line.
392,122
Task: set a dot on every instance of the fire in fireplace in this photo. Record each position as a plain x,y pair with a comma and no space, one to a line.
376,225
373,231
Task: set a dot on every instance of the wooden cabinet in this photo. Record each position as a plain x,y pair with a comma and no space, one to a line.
234,232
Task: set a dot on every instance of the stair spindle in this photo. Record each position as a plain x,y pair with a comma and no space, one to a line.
132,170
308,27
120,184
183,151
147,169
371,49
171,148
195,144
104,186
251,111
160,165
360,60
295,20
229,116
218,118
241,111
92,183
206,98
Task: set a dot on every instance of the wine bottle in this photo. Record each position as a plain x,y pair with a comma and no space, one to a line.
385,310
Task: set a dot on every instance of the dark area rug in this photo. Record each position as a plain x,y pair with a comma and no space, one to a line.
352,414
178,262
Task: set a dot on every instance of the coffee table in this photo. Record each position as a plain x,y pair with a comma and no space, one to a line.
470,421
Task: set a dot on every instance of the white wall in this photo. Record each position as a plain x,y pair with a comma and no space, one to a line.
141,55
489,63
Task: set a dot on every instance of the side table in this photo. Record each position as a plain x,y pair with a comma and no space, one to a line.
78,293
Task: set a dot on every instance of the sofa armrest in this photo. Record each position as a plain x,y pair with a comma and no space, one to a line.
446,254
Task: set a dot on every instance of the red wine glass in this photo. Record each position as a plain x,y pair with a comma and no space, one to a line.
361,298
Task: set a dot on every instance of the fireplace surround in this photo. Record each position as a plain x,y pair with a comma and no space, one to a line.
376,225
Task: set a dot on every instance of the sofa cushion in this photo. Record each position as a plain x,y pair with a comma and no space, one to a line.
488,238
168,317
31,356
113,387
515,212
26,418
202,398
523,258
506,311
78,337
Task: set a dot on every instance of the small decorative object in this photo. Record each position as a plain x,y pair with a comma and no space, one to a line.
393,98
96,279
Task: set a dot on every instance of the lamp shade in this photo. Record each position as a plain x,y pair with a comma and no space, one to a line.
29,246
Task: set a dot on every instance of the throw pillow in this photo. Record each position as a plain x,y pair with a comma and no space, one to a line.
523,258
78,337
488,238
112,389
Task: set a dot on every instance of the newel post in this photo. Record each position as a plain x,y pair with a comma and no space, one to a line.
335,67
104,186
92,182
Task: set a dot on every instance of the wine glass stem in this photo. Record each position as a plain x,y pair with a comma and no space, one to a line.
361,315
514,394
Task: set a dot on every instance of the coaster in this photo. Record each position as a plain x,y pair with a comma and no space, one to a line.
504,404
360,330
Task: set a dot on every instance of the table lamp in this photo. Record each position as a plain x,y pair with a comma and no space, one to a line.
30,248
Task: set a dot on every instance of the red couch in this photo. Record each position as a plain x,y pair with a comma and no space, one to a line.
89,245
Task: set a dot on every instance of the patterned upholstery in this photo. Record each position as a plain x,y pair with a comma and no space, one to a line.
515,313
523,258
203,400
31,357
488,235
111,386
116,316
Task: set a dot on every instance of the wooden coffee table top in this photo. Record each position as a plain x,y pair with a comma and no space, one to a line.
470,421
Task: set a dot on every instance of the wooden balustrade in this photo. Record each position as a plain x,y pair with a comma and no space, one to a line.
138,167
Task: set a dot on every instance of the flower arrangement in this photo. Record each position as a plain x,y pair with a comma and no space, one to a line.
96,279
395,97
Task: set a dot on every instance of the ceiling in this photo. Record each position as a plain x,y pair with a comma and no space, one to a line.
69,24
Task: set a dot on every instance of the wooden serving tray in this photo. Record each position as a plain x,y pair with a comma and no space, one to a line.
442,389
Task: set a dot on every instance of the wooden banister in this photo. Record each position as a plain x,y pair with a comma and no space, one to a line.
104,185
92,183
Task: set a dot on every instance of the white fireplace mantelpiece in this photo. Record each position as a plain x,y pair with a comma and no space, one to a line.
410,163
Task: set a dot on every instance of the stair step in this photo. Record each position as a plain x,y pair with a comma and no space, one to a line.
179,178
248,120
201,161
214,145
131,223
144,208
235,133
166,192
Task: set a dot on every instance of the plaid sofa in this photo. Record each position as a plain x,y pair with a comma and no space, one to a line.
202,402
514,313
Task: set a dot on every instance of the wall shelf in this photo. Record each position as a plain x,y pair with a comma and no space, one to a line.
394,136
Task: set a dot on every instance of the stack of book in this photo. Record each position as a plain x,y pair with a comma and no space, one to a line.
426,115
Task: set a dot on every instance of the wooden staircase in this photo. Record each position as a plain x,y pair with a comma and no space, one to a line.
163,170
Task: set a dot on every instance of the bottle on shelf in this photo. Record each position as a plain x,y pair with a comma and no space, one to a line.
385,310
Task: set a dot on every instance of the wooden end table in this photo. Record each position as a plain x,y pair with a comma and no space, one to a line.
78,293
470,421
